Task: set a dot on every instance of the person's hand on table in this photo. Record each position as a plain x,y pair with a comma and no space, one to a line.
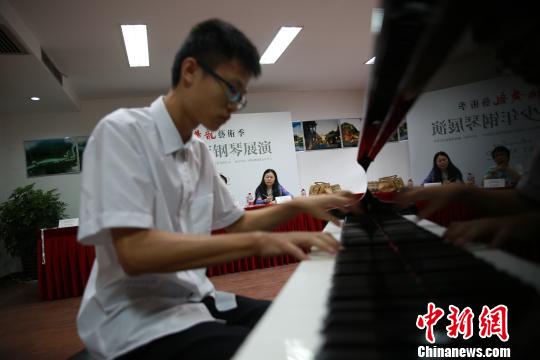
319,205
437,197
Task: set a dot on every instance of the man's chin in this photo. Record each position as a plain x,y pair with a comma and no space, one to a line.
213,126
216,124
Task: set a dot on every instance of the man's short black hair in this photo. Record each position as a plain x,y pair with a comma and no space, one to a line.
215,42
500,149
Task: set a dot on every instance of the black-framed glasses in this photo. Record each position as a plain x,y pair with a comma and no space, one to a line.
234,95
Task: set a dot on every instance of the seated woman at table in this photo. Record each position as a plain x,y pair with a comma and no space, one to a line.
443,171
501,169
269,188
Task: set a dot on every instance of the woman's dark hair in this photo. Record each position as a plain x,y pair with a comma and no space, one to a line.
215,42
261,189
500,149
453,172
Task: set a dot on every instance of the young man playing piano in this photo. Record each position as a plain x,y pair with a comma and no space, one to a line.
151,196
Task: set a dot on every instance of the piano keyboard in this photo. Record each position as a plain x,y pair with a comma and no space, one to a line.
390,270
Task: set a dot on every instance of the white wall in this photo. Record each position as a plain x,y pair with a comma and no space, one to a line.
14,129
333,165
243,169
340,166
302,105
336,166
18,128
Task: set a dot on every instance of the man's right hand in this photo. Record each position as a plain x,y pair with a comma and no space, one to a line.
319,205
293,243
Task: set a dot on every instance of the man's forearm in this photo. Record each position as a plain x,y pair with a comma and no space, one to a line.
150,251
266,218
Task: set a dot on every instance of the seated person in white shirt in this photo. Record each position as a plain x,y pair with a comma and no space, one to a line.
150,198
502,168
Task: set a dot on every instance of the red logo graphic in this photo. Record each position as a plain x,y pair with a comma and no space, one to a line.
460,322
209,135
491,322
429,320
494,322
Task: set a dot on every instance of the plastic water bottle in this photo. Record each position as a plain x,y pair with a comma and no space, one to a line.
249,199
470,179
303,192
410,184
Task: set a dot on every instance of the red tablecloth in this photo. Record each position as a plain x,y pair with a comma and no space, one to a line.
64,265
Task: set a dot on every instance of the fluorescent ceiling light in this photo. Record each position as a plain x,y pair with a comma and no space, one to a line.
377,16
282,39
370,61
136,43
35,98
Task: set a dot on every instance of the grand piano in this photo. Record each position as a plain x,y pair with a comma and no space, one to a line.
372,300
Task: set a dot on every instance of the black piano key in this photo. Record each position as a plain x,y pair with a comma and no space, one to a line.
386,276
386,304
368,254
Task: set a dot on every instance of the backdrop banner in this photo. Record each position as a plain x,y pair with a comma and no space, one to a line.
247,145
468,121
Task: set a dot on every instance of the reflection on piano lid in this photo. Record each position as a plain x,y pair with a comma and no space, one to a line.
417,36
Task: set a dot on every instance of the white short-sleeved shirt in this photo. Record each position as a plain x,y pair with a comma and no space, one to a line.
139,173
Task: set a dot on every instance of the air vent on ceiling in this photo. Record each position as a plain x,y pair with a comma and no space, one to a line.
8,43
50,65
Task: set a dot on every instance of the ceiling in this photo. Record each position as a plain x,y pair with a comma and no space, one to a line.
84,41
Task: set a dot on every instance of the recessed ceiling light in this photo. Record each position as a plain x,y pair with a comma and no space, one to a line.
35,98
280,42
377,16
136,43
370,61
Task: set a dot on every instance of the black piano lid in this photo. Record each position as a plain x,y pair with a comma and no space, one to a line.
416,36
415,39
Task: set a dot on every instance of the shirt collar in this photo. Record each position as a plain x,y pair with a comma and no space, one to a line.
170,137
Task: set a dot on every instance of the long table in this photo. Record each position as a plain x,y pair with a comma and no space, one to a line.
64,265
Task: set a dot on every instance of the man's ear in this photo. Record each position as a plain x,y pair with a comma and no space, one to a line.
188,71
